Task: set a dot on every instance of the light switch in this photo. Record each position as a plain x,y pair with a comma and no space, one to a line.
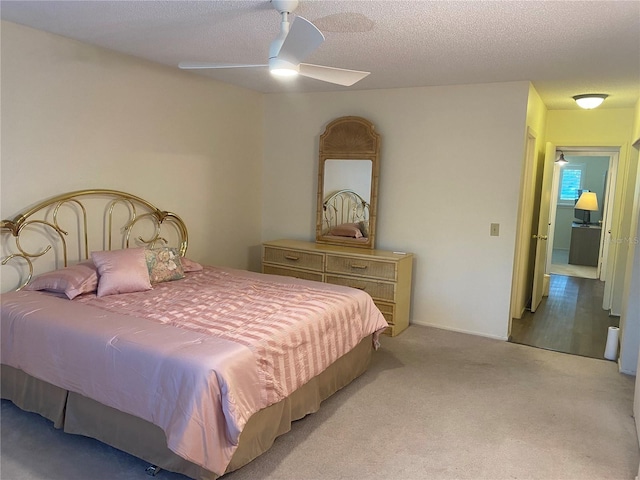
495,229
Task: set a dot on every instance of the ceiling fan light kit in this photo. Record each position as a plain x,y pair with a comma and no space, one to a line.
590,100
281,68
296,41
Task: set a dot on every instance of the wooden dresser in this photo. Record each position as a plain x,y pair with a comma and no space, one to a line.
386,276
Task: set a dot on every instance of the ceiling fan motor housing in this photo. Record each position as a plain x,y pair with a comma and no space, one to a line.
285,5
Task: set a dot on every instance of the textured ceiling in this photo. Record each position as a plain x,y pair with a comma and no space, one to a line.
563,47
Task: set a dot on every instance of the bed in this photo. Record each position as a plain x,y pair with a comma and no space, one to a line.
112,332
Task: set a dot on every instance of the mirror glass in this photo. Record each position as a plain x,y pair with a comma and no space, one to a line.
348,183
348,175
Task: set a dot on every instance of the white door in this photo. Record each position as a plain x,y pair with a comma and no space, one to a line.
607,215
541,236
553,209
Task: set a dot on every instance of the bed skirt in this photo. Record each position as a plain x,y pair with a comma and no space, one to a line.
80,415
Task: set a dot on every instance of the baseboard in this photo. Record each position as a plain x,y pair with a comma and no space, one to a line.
460,330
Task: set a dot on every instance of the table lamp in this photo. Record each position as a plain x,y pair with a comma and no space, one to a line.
588,202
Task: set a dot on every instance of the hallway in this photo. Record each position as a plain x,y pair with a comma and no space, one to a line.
569,320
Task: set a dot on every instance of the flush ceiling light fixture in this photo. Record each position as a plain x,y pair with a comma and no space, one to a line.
590,100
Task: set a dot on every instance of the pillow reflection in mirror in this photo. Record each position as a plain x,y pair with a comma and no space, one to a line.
351,230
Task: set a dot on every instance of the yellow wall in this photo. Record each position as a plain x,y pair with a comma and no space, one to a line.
599,127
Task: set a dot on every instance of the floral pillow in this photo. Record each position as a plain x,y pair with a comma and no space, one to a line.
164,264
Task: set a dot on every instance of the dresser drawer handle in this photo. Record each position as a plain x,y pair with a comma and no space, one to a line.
291,257
359,288
361,267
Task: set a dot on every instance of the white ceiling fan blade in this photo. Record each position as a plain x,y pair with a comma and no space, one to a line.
302,39
204,65
339,76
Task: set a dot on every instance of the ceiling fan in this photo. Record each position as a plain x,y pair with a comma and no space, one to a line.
296,41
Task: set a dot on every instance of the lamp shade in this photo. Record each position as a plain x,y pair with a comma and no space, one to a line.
588,201
590,100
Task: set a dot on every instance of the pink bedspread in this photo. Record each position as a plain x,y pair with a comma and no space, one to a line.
197,357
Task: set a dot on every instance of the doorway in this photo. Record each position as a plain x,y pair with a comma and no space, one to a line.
577,245
573,316
569,320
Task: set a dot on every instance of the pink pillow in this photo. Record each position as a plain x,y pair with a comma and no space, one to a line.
121,271
72,281
190,265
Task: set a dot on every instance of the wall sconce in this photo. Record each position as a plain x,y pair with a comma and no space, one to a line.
590,100
561,160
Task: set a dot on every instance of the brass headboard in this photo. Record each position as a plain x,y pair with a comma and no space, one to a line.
65,229
344,206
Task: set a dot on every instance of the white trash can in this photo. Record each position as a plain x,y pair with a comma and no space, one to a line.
611,350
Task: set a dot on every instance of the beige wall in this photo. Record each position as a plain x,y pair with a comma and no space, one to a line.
451,164
241,167
75,117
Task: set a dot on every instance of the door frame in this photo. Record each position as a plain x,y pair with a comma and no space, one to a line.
522,252
605,237
553,209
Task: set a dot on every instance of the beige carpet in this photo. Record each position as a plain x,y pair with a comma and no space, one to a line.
434,405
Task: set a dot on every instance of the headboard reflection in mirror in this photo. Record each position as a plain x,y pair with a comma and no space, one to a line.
348,183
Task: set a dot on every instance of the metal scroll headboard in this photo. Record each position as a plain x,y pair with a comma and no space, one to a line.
344,206
66,228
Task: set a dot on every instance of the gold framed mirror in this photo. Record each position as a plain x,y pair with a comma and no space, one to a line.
348,170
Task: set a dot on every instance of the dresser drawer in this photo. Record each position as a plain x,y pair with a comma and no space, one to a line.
378,290
290,272
387,311
385,276
361,267
294,258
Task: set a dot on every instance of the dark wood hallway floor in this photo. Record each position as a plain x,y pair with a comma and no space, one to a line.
569,320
